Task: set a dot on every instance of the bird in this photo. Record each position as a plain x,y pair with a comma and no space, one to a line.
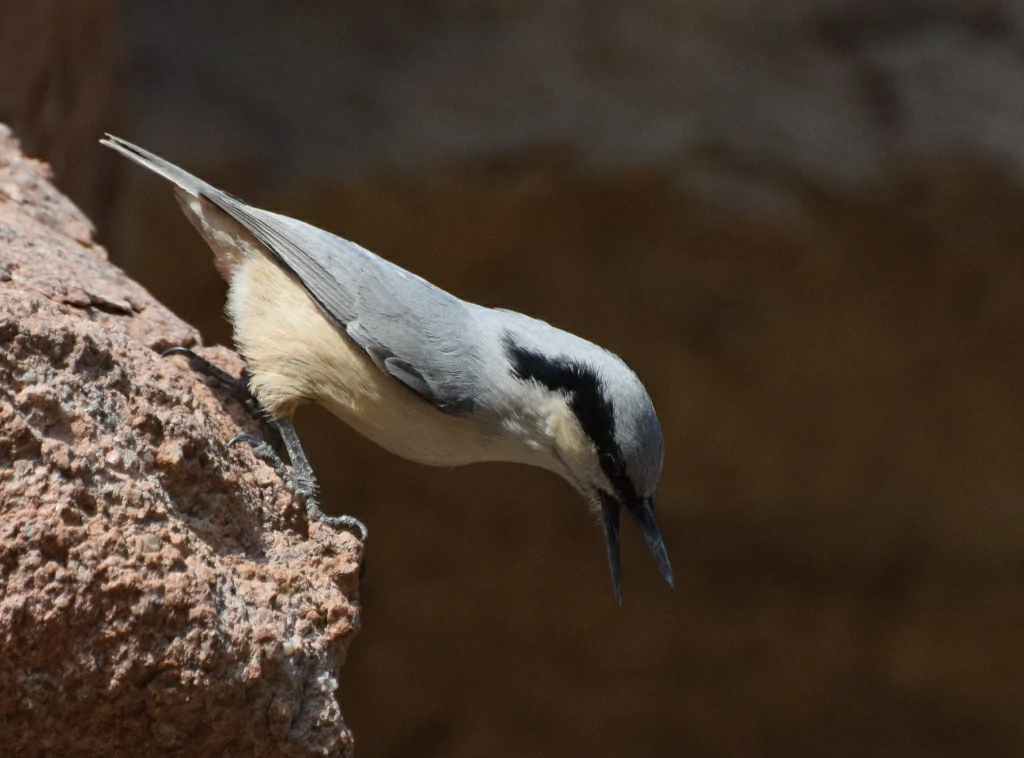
417,370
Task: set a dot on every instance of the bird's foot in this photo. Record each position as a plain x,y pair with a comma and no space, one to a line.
262,450
301,481
199,364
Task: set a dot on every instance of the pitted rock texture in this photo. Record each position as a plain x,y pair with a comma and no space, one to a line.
160,593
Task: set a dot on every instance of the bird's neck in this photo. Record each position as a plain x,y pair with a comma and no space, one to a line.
545,434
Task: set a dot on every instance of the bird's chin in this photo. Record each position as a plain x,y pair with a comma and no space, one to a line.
642,512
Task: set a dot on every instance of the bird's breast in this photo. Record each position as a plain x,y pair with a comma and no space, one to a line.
295,355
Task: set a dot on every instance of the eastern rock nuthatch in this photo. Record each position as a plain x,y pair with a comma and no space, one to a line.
428,376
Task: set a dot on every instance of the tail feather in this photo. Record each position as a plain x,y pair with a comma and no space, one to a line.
191,184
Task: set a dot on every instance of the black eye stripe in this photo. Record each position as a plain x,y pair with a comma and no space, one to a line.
586,399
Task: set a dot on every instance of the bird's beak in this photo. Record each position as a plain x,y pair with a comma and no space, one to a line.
643,514
610,511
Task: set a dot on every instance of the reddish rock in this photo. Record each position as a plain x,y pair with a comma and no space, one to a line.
159,593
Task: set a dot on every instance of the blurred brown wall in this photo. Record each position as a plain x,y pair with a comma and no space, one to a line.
799,223
61,84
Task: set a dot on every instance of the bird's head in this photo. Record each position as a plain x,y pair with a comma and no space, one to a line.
603,437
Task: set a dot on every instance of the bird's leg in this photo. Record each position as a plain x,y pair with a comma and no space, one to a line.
198,363
306,486
302,479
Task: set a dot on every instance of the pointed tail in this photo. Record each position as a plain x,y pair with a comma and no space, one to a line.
191,184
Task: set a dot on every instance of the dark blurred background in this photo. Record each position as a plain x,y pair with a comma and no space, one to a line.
800,223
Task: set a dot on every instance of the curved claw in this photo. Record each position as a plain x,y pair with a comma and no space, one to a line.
348,523
252,439
179,350
265,453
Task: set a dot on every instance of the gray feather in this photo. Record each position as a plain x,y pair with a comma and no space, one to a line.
156,164
415,332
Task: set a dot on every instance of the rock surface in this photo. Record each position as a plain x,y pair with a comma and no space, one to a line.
158,592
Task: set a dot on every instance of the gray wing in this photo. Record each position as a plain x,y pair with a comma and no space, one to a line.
417,333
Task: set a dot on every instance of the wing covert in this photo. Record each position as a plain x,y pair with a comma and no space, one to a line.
415,332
